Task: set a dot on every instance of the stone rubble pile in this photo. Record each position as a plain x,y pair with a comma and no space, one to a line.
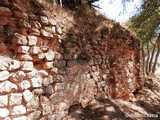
47,74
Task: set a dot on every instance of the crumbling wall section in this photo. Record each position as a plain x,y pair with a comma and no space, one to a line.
53,64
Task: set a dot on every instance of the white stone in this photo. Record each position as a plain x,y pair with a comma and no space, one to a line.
24,57
7,86
15,99
19,39
3,100
7,118
48,80
32,40
27,94
43,73
33,103
4,75
14,65
36,82
23,49
48,65
50,55
35,50
20,109
34,115
18,76
4,112
27,66
20,118
3,65
25,84
32,74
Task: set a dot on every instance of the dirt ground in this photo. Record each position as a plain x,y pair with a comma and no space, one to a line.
146,106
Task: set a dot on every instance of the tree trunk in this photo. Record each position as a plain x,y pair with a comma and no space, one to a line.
157,55
148,57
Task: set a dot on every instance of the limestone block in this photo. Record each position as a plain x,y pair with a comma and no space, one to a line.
24,57
46,34
35,50
3,65
20,109
21,118
34,115
50,55
47,105
44,20
48,80
33,103
14,65
27,66
25,84
15,99
4,112
32,74
47,65
38,91
52,22
19,39
43,73
35,24
27,95
36,82
7,86
22,15
24,23
4,11
17,77
23,49
44,48
49,89
4,75
3,100
32,40
34,32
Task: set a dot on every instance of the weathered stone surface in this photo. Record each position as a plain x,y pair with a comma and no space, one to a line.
44,48
47,105
33,103
15,99
32,74
47,65
35,24
27,95
24,57
7,118
38,57
52,22
14,65
50,55
25,84
23,49
3,100
36,82
21,118
57,97
3,65
35,50
27,66
34,115
17,110
7,86
38,91
59,86
44,20
48,80
4,112
32,40
49,89
19,39
4,11
18,76
46,34
43,73
4,75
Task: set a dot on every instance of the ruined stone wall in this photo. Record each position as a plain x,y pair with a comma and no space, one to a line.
45,67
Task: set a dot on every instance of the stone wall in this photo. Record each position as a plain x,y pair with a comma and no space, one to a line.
51,65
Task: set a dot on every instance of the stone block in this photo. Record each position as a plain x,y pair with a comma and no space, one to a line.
14,65
21,118
3,100
24,57
38,57
48,65
52,22
17,77
44,20
46,34
3,65
35,24
49,89
15,99
27,95
56,97
48,80
19,39
7,86
34,115
44,48
32,74
25,84
23,49
4,112
36,82
33,103
4,75
59,86
27,66
18,110
35,50
34,32
32,40
4,11
50,55
43,73
24,23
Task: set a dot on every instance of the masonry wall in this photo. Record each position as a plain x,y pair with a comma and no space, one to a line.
48,64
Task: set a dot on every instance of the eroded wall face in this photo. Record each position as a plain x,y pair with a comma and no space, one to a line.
43,73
